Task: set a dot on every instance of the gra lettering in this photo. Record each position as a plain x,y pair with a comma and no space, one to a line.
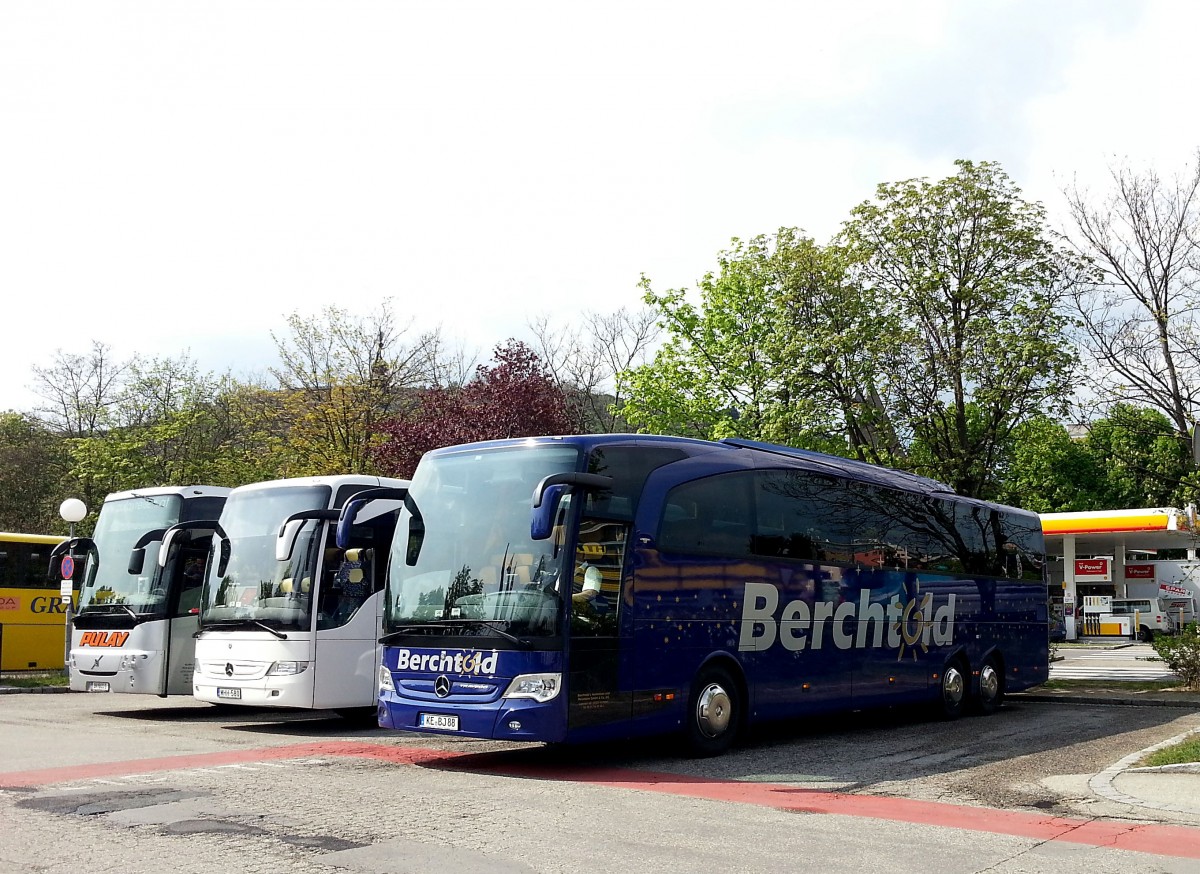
103,638
47,604
445,663
898,625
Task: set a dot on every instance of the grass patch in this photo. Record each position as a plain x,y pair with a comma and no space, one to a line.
1114,685
32,681
1180,754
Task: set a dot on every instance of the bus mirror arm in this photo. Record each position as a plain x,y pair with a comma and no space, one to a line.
72,546
290,529
549,492
170,535
357,501
587,480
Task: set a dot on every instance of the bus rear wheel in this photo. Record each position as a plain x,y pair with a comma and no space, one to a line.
952,697
714,712
990,694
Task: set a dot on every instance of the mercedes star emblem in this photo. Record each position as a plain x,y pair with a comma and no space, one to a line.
441,686
229,669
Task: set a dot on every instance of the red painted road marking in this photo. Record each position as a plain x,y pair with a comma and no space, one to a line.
1160,840
71,773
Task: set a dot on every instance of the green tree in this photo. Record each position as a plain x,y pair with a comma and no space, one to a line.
33,463
1144,459
980,289
929,330
1132,457
725,368
1048,472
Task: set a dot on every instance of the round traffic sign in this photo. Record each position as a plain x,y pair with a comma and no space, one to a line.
68,567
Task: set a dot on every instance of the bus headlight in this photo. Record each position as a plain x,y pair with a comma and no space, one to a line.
385,680
539,687
287,669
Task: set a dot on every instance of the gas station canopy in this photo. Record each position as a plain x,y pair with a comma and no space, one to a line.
1100,532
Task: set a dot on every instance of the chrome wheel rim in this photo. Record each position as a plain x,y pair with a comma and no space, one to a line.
953,687
714,710
989,683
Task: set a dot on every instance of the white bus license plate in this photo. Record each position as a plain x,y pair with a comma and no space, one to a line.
228,693
438,720
96,686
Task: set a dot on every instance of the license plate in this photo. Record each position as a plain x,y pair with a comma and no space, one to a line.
228,693
96,686
438,720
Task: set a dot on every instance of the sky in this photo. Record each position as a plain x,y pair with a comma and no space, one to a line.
179,177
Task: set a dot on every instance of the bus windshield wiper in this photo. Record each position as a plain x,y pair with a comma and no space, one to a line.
241,623
456,623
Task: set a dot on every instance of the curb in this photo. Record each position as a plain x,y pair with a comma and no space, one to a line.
35,690
1102,701
1102,783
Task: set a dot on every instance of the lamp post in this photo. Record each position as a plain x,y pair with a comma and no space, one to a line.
72,510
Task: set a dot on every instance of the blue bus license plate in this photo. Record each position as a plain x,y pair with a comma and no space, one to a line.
228,693
438,720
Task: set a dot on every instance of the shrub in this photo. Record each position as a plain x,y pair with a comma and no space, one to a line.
1181,652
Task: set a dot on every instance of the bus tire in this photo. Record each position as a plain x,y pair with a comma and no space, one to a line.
990,692
952,690
714,712
1145,634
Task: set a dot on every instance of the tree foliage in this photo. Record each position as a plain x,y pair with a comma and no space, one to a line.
1181,653
33,464
922,337
728,366
1130,458
980,287
516,397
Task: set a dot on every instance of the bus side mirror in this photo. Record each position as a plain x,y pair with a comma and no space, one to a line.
541,522
286,541
137,560
548,493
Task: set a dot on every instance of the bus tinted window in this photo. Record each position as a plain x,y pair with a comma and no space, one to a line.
710,515
628,466
801,515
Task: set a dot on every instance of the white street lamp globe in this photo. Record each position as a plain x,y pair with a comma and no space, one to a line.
72,510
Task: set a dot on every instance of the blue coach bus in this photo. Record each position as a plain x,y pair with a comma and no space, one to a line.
595,587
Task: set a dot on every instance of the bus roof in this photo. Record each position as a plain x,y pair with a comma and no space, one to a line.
334,481
160,491
791,457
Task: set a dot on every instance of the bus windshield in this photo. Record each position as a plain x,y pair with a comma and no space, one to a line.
108,587
256,589
463,561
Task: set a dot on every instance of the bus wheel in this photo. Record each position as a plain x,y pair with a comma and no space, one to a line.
1145,635
714,712
991,687
953,695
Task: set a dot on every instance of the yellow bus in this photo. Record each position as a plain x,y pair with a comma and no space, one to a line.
32,614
